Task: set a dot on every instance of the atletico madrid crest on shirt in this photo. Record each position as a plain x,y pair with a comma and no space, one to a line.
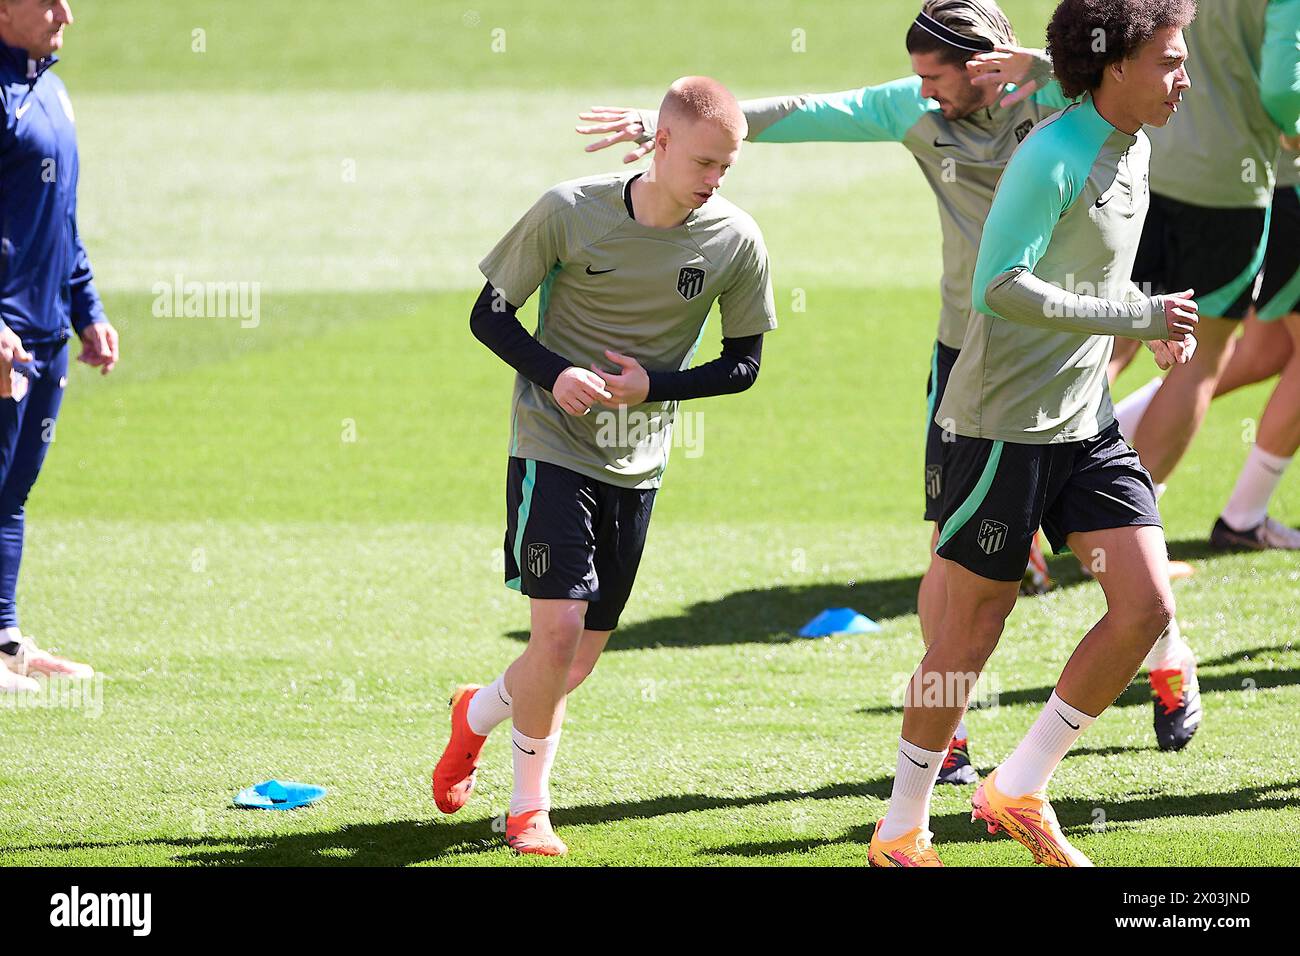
690,282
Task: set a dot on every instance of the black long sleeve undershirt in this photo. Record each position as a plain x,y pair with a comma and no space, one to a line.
495,323
733,371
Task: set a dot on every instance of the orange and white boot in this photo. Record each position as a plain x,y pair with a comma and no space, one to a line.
1029,820
453,777
531,833
911,849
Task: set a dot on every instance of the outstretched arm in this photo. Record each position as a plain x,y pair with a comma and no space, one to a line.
881,113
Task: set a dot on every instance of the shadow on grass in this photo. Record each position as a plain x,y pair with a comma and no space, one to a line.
1076,817
774,615
1138,693
406,842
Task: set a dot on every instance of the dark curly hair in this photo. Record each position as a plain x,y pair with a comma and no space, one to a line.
1086,36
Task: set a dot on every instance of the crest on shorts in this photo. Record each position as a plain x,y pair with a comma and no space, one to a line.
992,536
539,559
1023,130
690,282
933,480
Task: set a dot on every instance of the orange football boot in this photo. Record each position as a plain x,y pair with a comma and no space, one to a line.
453,777
911,849
1029,820
531,833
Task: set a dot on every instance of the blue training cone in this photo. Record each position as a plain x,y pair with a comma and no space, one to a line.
277,795
838,620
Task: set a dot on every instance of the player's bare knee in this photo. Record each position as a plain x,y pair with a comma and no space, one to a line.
558,638
1149,617
579,672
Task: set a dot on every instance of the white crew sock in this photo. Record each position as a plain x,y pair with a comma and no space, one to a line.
1259,478
909,804
1169,650
960,732
488,707
1131,408
1032,763
533,759
11,635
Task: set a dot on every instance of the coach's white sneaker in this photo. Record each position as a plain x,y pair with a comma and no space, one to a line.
11,683
30,659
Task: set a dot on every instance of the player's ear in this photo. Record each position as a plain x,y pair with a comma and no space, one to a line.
661,139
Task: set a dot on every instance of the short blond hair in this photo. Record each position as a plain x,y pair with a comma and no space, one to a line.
693,98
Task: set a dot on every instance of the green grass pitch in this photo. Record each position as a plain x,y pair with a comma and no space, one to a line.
280,544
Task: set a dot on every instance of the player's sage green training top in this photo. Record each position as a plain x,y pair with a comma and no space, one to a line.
1053,285
608,282
961,159
1244,64
1288,169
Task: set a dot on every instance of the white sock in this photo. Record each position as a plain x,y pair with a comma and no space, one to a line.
1032,763
533,759
488,707
960,732
1168,651
1131,408
11,635
909,804
1259,478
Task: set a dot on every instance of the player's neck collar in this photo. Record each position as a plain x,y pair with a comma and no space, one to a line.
631,211
26,65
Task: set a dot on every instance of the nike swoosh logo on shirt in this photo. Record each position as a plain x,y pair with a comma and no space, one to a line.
1102,200
597,272
939,144
18,113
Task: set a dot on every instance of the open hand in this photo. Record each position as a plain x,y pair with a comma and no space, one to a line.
622,124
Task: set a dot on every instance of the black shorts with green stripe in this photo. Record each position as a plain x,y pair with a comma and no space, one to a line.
999,493
942,359
1217,252
1279,292
572,536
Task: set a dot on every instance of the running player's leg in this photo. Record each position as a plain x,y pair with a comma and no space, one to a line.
1244,522
550,541
537,683
1178,408
985,539
1260,352
931,595
1139,606
936,700
1219,253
